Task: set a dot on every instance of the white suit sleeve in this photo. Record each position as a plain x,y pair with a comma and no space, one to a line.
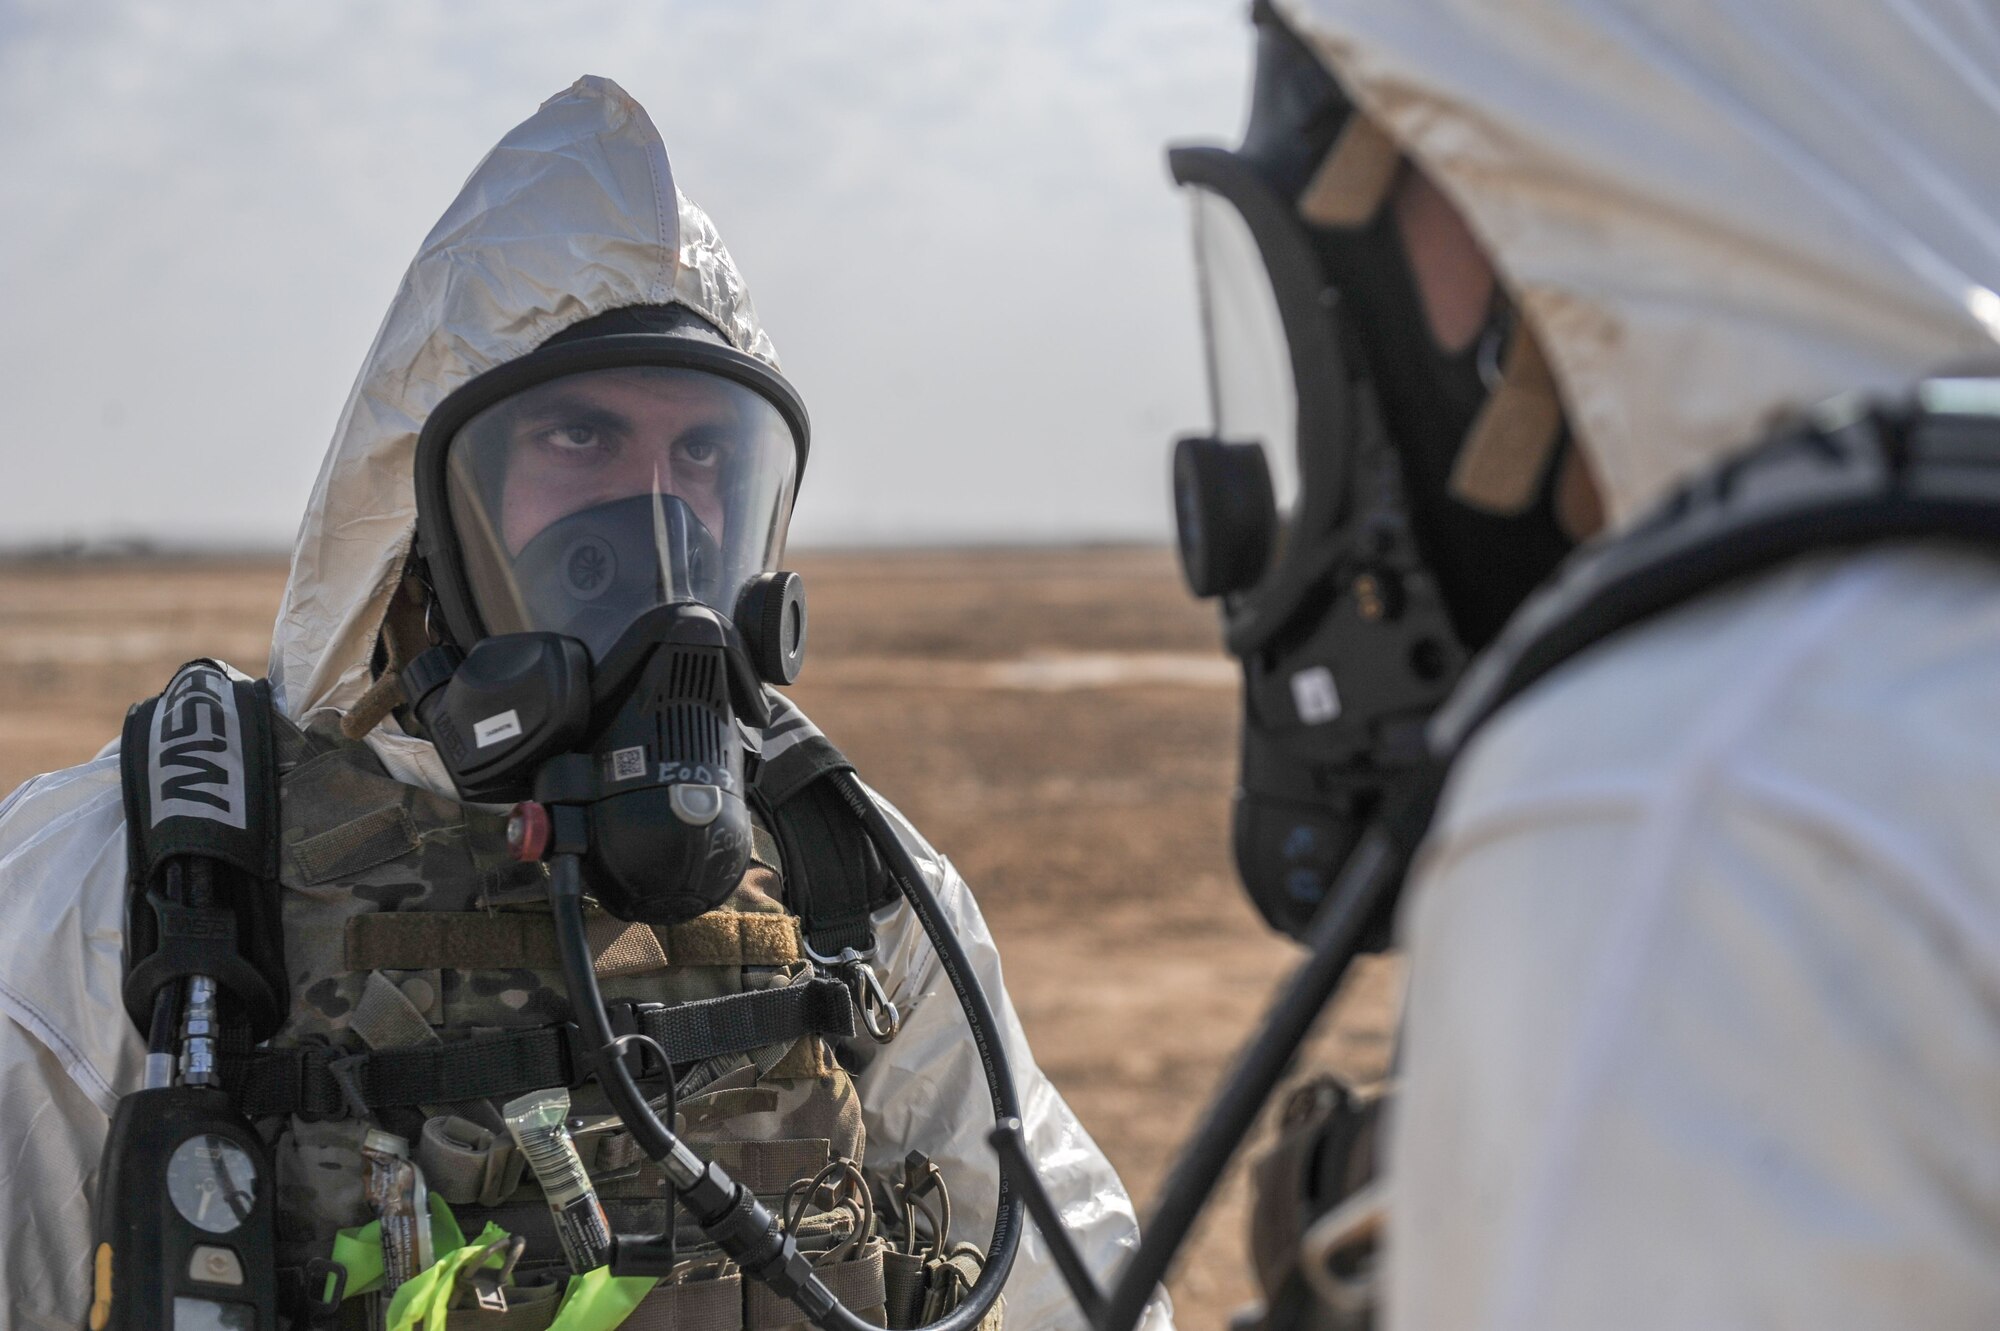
925,1091
67,1048
53,1136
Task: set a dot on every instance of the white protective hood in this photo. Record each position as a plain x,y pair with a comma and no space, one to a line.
1712,211
572,214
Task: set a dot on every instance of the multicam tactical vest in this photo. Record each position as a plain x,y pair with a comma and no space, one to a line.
407,925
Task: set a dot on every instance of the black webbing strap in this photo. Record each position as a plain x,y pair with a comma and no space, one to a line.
738,1023
834,879
323,1082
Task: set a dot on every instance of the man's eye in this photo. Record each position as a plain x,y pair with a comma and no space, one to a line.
700,451
571,438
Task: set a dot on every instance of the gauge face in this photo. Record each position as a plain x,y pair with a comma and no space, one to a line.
213,1183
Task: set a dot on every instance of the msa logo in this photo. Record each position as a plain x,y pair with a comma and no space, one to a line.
196,764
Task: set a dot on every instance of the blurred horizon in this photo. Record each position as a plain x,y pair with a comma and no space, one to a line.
116,547
955,221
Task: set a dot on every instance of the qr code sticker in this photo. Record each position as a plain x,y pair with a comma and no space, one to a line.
628,764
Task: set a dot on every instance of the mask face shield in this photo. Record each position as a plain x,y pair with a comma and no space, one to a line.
591,481
1252,498
582,502
1253,395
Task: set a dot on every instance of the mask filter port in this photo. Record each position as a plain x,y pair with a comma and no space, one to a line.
771,615
1225,515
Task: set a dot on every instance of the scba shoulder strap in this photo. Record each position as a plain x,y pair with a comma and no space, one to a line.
834,877
199,772
1853,474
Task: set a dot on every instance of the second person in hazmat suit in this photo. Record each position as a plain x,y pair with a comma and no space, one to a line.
619,439
1701,1026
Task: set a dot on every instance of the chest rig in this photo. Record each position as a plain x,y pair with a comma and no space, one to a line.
414,985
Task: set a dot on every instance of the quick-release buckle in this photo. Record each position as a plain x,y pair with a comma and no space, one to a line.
879,1016
325,1287
346,1075
628,1029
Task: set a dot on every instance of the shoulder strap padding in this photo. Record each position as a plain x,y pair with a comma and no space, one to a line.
834,877
199,776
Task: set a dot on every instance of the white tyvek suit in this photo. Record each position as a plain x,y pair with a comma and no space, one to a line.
1704,1015
573,214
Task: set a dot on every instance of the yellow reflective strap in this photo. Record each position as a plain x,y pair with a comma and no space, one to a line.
360,1251
598,1300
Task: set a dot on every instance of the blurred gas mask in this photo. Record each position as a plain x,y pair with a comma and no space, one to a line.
599,523
1369,507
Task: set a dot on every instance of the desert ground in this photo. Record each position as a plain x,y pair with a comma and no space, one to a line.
1061,723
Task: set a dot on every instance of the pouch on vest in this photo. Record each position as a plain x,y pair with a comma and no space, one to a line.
925,1275
199,773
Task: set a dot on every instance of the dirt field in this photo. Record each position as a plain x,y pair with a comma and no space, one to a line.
1061,723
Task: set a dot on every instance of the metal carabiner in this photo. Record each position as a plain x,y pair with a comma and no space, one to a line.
879,1017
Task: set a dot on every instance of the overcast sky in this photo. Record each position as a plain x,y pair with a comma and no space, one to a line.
954,218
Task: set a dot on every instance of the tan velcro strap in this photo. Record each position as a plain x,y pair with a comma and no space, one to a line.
624,949
1500,465
360,843
700,1305
472,940
453,940
734,938
385,1018
1354,178
857,1283
467,1164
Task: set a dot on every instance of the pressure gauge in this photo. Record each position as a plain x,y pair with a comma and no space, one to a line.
212,1182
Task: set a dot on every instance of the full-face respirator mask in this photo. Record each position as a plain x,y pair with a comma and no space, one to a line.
1324,508
598,522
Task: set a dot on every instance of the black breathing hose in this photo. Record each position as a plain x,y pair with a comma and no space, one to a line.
1364,883
729,1214
985,1027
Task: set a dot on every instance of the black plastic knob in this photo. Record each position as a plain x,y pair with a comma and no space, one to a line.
1225,514
771,616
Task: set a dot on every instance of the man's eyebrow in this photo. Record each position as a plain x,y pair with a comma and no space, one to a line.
573,408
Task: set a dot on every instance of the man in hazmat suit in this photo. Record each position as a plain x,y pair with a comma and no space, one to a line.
568,247
1701,1025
